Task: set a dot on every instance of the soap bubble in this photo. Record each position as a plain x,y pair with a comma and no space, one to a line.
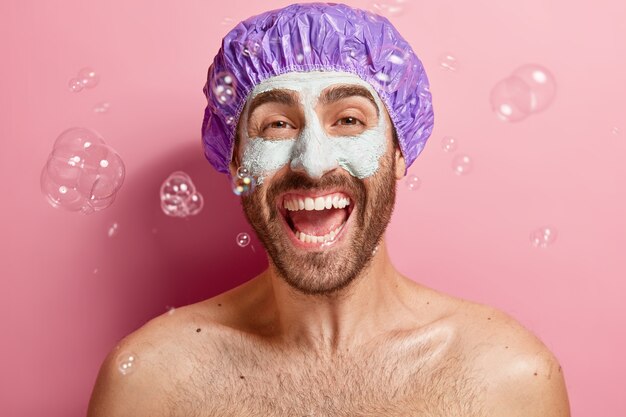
350,54
224,87
511,99
75,85
102,107
615,131
388,8
126,363
252,47
243,185
243,172
82,172
170,310
529,89
543,237
397,63
449,144
448,62
227,21
179,197
541,83
462,164
243,239
230,120
413,182
88,77
78,138
301,51
113,229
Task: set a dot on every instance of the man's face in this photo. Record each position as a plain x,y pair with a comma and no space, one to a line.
321,145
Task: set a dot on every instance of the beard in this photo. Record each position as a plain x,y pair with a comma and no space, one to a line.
327,272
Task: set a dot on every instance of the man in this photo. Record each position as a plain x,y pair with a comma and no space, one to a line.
332,106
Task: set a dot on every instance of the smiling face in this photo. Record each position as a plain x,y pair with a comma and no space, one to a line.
322,146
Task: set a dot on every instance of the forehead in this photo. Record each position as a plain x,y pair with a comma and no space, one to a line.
311,84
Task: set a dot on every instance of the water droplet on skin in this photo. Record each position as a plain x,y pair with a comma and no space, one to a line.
127,363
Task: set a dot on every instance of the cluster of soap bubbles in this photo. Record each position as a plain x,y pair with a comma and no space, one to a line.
179,197
224,86
82,172
86,78
529,89
543,237
126,363
461,163
243,183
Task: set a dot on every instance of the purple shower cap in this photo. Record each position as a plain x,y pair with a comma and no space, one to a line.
315,37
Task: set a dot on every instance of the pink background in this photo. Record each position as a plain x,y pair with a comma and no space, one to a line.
68,291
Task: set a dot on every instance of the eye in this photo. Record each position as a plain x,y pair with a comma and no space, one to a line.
351,121
278,124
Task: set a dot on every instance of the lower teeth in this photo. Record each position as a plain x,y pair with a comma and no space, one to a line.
319,239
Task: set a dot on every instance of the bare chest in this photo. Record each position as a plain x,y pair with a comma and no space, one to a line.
425,379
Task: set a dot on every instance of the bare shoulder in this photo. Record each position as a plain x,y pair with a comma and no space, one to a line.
522,376
139,374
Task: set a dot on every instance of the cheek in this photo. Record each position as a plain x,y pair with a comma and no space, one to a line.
262,157
361,156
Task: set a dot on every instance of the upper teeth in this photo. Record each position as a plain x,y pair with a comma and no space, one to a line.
293,203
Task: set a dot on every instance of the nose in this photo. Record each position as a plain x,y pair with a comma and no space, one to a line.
314,154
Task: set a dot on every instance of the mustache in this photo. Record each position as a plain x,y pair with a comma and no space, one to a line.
301,181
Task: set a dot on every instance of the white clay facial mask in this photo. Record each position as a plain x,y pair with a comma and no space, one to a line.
311,147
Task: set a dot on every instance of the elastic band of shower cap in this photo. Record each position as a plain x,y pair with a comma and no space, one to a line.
314,37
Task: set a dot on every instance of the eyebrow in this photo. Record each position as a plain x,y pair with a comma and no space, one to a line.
286,97
329,96
335,94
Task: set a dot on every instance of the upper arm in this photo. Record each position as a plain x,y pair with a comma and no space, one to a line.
525,377
136,393
531,386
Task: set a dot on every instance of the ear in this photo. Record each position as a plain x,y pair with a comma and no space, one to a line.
400,164
234,161
234,166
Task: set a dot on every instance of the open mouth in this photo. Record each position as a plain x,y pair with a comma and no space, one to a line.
315,220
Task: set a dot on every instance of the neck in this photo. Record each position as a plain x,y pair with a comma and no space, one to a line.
329,325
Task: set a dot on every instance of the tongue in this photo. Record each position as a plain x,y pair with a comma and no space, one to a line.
318,222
